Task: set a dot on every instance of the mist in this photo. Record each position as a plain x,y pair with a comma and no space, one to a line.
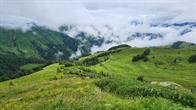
109,19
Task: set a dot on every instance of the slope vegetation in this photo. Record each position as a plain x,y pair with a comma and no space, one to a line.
38,45
108,80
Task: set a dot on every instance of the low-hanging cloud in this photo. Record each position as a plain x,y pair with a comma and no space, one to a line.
109,19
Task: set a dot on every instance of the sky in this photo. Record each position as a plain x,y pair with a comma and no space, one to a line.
116,14
57,12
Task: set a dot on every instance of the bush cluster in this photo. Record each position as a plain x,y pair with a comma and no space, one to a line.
90,61
133,88
94,60
143,56
83,72
192,59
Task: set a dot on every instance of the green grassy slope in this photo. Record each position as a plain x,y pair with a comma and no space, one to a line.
41,91
38,45
160,67
39,42
109,83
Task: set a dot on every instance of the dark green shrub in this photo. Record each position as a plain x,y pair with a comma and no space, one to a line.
11,83
58,70
142,56
84,72
37,68
55,78
90,61
140,78
145,59
66,63
174,61
136,58
146,52
192,59
159,63
136,88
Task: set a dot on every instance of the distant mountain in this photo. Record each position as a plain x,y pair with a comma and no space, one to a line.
35,45
108,34
182,27
23,41
39,42
149,36
182,44
180,24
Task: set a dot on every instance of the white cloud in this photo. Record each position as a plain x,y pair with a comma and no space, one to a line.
92,16
77,54
57,12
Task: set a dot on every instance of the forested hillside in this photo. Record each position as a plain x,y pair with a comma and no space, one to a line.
38,45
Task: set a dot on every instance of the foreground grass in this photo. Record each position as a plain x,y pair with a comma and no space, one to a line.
47,90
108,85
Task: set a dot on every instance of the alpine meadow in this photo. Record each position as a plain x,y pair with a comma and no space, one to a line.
98,55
